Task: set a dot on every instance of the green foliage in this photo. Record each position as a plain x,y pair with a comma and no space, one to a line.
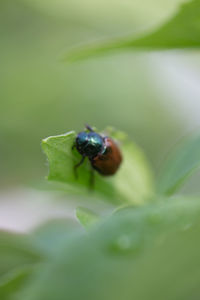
180,166
148,248
11,283
86,217
155,246
180,32
48,237
18,257
133,183
16,250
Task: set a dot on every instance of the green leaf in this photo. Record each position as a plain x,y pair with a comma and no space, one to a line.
11,283
131,184
155,246
180,166
18,257
50,236
16,250
180,32
86,217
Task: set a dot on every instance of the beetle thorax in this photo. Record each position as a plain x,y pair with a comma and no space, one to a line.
89,144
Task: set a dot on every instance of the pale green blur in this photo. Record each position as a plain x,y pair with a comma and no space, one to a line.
41,95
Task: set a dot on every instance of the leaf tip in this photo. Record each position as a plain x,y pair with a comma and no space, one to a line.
86,217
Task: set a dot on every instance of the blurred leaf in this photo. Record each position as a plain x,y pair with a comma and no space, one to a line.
181,31
51,235
19,261
132,183
18,257
155,246
180,166
16,250
11,283
86,217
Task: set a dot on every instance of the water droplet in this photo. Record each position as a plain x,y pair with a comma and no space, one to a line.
125,244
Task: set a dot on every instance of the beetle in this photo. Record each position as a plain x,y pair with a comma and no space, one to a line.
103,153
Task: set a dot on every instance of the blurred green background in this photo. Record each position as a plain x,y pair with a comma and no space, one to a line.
41,95
153,96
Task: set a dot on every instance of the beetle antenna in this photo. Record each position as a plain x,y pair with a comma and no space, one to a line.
89,127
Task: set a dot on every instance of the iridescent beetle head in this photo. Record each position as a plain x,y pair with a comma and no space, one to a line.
89,143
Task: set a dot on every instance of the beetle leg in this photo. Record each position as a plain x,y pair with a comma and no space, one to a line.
78,165
92,179
89,128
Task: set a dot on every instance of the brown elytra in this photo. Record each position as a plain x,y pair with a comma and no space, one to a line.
109,161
